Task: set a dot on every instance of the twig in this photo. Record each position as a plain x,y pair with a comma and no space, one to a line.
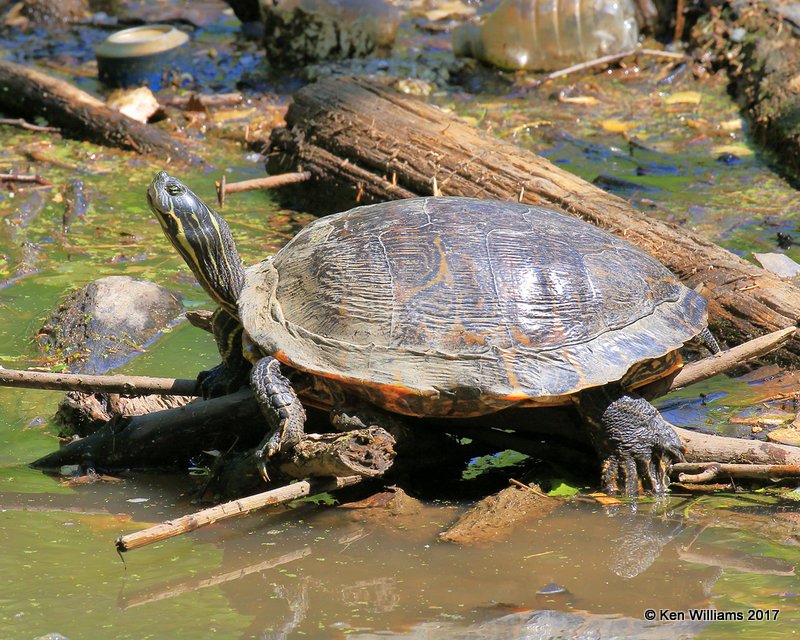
16,177
207,100
128,385
243,506
270,182
707,471
24,124
726,360
606,60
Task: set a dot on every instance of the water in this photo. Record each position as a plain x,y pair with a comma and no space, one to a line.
323,572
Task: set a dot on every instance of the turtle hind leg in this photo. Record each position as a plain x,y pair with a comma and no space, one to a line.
633,440
708,340
281,407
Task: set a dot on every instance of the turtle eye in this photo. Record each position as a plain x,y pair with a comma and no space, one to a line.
174,189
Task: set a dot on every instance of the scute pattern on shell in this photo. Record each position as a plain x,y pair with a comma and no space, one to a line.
482,302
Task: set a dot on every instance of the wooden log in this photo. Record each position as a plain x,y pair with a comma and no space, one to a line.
709,471
369,142
234,508
30,93
159,439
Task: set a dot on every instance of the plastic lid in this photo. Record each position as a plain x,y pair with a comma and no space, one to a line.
141,41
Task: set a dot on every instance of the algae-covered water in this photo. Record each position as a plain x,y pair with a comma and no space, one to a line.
672,143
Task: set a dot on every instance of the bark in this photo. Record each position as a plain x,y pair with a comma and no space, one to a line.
364,142
762,60
30,93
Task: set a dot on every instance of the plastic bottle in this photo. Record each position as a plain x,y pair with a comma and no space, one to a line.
545,35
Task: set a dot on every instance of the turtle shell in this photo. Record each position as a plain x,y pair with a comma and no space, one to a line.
457,306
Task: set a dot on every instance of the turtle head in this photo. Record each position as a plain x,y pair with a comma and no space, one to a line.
201,236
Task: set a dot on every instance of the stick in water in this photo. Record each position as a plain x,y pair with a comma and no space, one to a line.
240,507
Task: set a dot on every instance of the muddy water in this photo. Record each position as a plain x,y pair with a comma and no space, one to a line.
678,150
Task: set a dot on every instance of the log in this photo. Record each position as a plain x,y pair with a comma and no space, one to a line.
366,142
232,509
709,471
30,93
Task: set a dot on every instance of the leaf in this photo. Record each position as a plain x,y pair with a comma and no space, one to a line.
684,97
562,489
617,126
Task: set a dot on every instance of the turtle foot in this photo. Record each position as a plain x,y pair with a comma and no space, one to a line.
636,445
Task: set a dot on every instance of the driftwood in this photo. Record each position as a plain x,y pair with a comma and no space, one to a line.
243,506
367,142
709,471
270,182
29,93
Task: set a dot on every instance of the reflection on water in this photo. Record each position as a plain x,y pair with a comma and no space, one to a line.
326,573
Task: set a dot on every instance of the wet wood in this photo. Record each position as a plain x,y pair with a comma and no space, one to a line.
762,63
33,93
732,358
702,447
368,453
710,471
232,509
90,383
365,142
495,517
224,188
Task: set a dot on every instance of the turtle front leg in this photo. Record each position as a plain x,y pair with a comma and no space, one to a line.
632,438
280,406
231,374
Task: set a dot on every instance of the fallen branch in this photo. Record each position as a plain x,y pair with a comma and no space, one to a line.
29,92
16,177
708,471
270,182
24,124
126,385
733,357
606,60
243,506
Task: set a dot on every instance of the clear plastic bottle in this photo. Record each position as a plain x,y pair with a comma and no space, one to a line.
545,35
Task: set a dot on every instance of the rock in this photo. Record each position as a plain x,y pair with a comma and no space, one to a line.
297,32
494,518
103,324
139,103
778,263
789,435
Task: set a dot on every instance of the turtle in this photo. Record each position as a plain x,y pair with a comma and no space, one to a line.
445,307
